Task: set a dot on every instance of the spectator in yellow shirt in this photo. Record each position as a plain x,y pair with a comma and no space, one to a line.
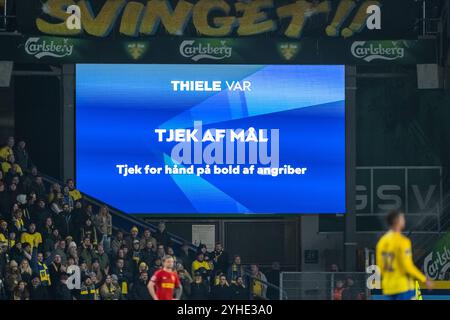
7,150
200,262
11,166
31,236
3,233
258,287
74,193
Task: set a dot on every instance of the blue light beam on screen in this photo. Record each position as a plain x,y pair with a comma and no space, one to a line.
119,107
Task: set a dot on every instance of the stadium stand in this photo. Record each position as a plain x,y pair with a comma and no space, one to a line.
48,227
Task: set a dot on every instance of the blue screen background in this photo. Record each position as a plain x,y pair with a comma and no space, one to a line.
118,107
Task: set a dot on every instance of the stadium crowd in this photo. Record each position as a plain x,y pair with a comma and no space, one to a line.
46,232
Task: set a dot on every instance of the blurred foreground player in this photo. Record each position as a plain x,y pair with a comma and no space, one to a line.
165,282
394,258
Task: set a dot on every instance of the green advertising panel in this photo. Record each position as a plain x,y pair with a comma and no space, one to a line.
437,263
45,49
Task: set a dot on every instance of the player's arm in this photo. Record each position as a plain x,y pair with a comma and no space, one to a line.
151,289
405,258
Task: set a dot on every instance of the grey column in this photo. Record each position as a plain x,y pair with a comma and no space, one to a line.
68,122
350,218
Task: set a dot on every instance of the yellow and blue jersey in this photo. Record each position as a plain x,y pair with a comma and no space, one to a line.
394,258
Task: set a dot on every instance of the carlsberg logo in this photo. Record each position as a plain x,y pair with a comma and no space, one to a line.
437,263
197,51
48,48
373,52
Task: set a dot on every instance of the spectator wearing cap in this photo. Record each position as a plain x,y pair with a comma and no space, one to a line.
146,237
239,290
136,252
134,235
199,289
7,149
74,193
110,290
162,236
37,290
139,289
32,236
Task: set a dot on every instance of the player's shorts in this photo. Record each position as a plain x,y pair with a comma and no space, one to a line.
407,295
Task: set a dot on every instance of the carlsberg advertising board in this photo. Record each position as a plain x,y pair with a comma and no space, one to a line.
437,262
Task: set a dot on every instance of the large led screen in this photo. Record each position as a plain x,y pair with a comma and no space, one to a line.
212,139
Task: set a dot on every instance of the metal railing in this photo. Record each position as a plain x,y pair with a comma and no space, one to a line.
5,15
121,220
324,286
124,222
